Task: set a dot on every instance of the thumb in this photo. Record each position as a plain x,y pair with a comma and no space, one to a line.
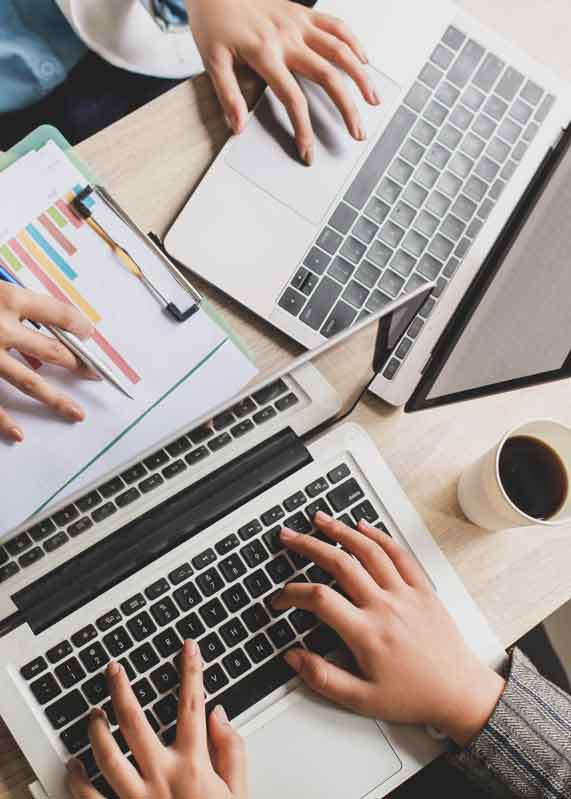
228,753
332,682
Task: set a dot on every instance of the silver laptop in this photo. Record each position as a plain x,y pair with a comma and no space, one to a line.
465,123
184,543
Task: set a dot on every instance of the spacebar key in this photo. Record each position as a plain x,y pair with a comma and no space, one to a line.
380,157
253,688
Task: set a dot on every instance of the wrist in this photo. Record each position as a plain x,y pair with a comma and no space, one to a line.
474,705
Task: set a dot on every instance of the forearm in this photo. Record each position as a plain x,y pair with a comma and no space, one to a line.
524,750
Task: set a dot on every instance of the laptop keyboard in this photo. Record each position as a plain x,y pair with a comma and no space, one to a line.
221,598
423,194
138,480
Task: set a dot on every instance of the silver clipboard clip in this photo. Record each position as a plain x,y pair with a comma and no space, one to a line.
83,210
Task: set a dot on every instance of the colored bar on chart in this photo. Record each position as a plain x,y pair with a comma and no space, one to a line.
68,213
57,235
56,292
10,258
38,263
51,253
57,217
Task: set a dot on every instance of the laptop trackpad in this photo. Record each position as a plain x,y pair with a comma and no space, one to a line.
266,155
316,750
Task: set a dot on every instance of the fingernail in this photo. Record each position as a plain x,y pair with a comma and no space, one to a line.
75,766
360,133
294,659
221,714
322,517
287,535
17,434
364,57
191,648
75,413
375,97
308,156
228,122
98,713
113,669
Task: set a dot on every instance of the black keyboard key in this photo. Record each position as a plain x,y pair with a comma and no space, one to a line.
93,657
346,519
380,157
164,611
291,301
157,459
9,570
244,407
270,392
201,434
156,589
281,634
127,497
317,487
341,269
179,446
304,281
133,604
235,598
182,573
338,473
329,240
33,668
488,72
141,626
66,709
236,663
169,735
345,494
89,501
343,218
144,692
204,559
166,709
121,742
174,468
190,627
42,529
102,786
144,658
164,678
259,648
252,688
210,647
19,544
227,544
76,737
167,641
318,575
257,583
187,596
3,556
232,567
320,303
210,581
223,420
80,526
117,642
103,512
111,487
255,617
149,483
264,415
197,455
279,569
69,672
83,636
298,523
134,473
110,619
302,620
233,632
214,678
272,540
220,441
129,670
89,763
213,612
341,316
152,721
55,542
254,553
96,689
250,529
58,652
242,428
323,640
268,602
316,260
364,510
272,515
295,501
30,557
66,515
319,505
45,688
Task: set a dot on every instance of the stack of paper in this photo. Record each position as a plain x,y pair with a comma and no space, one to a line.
176,372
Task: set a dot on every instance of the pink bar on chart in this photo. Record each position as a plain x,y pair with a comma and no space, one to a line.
57,235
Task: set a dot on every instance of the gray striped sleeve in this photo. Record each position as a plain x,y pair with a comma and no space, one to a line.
525,748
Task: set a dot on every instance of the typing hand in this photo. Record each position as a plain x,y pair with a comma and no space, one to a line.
278,38
196,766
16,305
414,666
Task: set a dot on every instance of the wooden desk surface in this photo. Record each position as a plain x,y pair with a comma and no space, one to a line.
152,160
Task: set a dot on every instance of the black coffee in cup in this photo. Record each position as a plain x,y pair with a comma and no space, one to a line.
533,476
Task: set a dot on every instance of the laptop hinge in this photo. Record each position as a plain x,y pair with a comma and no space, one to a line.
159,530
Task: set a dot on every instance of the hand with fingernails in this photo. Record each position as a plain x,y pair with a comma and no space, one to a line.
16,305
413,664
207,760
279,40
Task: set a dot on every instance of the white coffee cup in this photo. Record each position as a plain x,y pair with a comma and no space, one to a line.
482,496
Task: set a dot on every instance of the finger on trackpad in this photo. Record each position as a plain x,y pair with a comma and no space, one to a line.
266,154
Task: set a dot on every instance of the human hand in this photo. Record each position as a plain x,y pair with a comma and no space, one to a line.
278,38
16,305
414,664
188,769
